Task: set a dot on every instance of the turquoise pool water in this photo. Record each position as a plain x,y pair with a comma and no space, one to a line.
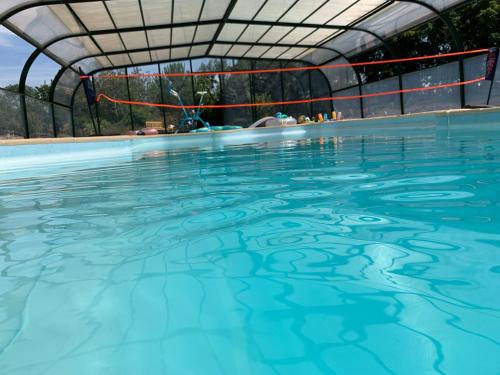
353,255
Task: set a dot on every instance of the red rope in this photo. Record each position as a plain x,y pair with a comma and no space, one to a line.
302,101
292,69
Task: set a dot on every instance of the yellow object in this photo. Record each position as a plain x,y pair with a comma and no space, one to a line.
158,125
334,115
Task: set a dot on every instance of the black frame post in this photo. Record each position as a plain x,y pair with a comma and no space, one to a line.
163,101
132,127
97,116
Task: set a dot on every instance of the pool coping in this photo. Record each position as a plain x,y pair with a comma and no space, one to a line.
367,121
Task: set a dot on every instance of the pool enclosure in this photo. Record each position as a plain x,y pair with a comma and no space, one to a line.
163,36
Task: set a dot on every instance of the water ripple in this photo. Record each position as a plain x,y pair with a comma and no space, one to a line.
304,257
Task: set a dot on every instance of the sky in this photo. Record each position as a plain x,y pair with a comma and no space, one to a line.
15,51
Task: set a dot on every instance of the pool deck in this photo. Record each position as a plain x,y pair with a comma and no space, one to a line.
397,119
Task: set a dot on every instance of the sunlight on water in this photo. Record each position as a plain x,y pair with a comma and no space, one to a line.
331,256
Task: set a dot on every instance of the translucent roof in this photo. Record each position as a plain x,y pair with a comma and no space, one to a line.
107,34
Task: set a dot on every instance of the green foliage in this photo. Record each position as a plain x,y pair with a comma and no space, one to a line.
478,22
38,92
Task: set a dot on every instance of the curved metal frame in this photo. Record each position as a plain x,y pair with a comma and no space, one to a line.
221,22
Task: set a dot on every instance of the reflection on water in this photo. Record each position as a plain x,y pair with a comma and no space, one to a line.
339,256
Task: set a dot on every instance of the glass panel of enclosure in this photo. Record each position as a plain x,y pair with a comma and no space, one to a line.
182,85
495,92
267,88
340,77
477,93
82,121
384,105
145,89
350,108
236,89
114,118
65,87
296,86
39,118
39,77
211,85
320,89
11,125
436,99
62,117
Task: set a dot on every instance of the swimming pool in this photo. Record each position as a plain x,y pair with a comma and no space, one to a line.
307,254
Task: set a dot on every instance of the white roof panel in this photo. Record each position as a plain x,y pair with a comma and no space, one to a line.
118,60
140,57
238,50
109,42
273,10
329,10
125,13
183,35
187,11
161,55
134,39
256,51
180,53
230,32
156,11
253,33
244,10
159,37
220,49
301,10
93,15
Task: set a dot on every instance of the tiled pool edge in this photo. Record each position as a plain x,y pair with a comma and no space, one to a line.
455,116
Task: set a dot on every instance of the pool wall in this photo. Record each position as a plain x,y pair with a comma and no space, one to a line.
25,158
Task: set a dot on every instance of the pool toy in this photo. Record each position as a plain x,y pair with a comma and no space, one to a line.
145,131
279,119
320,117
191,118
216,128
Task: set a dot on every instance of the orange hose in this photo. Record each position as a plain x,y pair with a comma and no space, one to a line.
302,101
293,69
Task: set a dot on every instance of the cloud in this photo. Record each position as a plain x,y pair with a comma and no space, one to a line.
5,37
